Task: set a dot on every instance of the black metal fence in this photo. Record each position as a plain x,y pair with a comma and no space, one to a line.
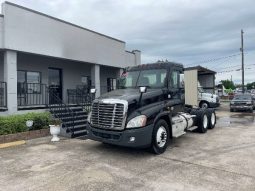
80,96
3,95
38,95
32,94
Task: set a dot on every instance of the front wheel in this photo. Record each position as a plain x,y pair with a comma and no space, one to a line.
160,137
204,105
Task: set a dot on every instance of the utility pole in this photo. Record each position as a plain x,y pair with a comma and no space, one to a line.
242,60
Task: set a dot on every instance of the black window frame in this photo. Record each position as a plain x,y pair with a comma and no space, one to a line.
27,84
110,85
170,80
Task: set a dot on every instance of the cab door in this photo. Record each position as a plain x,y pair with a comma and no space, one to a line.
175,90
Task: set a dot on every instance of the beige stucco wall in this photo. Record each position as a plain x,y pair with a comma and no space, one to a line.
191,91
1,30
1,66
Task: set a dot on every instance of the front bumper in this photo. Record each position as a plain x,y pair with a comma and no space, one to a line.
142,136
213,105
241,107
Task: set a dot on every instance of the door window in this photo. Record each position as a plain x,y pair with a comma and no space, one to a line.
54,77
55,85
111,84
174,80
85,80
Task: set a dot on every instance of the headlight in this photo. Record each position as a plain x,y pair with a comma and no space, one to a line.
139,121
89,117
248,102
232,103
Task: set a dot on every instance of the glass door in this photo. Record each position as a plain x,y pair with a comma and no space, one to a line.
55,85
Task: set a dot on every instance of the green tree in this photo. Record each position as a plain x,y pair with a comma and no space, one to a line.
228,84
250,86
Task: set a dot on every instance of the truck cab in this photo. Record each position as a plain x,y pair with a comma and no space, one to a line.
207,100
147,110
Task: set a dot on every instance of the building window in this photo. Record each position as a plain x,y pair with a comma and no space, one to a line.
111,84
29,82
85,80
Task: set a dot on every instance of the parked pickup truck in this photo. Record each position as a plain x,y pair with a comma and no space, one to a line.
148,110
207,100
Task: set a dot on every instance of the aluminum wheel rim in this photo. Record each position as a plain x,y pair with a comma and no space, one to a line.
205,121
161,136
213,118
204,105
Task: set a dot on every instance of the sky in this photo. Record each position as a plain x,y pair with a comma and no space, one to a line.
191,32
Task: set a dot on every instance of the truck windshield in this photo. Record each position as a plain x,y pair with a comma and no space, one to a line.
149,78
242,97
200,90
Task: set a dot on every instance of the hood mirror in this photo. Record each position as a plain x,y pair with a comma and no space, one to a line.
93,90
143,89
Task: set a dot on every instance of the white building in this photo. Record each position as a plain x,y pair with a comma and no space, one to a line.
39,53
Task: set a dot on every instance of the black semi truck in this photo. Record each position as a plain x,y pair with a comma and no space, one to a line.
147,110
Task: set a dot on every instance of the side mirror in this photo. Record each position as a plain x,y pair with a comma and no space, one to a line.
93,90
143,89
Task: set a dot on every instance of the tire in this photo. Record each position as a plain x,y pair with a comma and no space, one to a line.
211,118
203,105
251,110
202,121
231,110
160,137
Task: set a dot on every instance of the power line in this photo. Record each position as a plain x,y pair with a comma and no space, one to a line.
235,70
235,66
214,59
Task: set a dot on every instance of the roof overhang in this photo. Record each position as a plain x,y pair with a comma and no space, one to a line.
201,70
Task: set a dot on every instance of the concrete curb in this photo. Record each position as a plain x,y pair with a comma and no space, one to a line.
12,144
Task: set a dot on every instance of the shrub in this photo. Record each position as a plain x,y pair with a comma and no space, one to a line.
55,122
17,123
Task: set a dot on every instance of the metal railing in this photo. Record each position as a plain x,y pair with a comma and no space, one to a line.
81,97
61,111
32,94
3,95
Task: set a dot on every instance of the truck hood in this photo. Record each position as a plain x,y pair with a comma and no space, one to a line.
209,95
132,95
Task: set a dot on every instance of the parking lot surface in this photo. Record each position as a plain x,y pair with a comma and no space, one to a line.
221,159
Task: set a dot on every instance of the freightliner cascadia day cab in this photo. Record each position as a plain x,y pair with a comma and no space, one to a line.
147,110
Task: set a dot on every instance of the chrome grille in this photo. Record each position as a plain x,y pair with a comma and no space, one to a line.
239,103
108,114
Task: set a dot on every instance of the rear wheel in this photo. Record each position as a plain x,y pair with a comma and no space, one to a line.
160,137
212,118
202,120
